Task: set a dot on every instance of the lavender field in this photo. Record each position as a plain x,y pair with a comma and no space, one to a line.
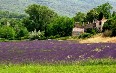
54,51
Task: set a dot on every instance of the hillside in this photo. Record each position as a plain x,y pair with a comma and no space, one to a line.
63,7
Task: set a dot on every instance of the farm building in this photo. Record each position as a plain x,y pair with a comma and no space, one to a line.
99,24
78,29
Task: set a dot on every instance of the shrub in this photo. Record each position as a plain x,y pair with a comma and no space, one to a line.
107,33
111,25
107,25
22,33
7,32
114,27
92,31
85,35
36,35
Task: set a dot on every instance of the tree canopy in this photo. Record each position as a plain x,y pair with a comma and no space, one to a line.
105,9
80,17
99,12
39,17
92,15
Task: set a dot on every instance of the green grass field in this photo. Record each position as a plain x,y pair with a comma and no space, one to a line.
58,69
92,66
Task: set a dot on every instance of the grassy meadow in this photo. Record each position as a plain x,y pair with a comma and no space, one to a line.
92,66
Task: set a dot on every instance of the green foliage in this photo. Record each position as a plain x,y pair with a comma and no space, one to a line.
100,17
99,12
110,25
15,22
113,14
92,31
29,24
22,33
17,26
85,35
61,26
7,32
3,21
92,15
80,17
89,32
39,17
105,9
11,22
113,27
107,25
54,37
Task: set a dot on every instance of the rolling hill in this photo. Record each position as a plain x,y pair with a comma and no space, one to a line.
62,7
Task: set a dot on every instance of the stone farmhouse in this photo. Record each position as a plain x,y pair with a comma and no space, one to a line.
80,29
99,24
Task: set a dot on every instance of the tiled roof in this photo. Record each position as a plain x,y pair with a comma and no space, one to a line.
78,29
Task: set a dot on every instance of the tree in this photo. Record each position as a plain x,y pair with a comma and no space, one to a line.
113,27
107,25
22,32
99,12
110,25
39,17
80,17
113,14
3,21
61,26
92,15
100,17
105,9
7,32
15,22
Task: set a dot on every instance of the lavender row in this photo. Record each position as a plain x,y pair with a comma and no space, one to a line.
53,50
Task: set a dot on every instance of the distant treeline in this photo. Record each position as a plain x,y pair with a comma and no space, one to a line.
7,14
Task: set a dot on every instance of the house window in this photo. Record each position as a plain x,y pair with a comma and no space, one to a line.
94,25
99,28
100,23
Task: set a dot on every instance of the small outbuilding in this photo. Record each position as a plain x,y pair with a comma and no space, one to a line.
77,30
